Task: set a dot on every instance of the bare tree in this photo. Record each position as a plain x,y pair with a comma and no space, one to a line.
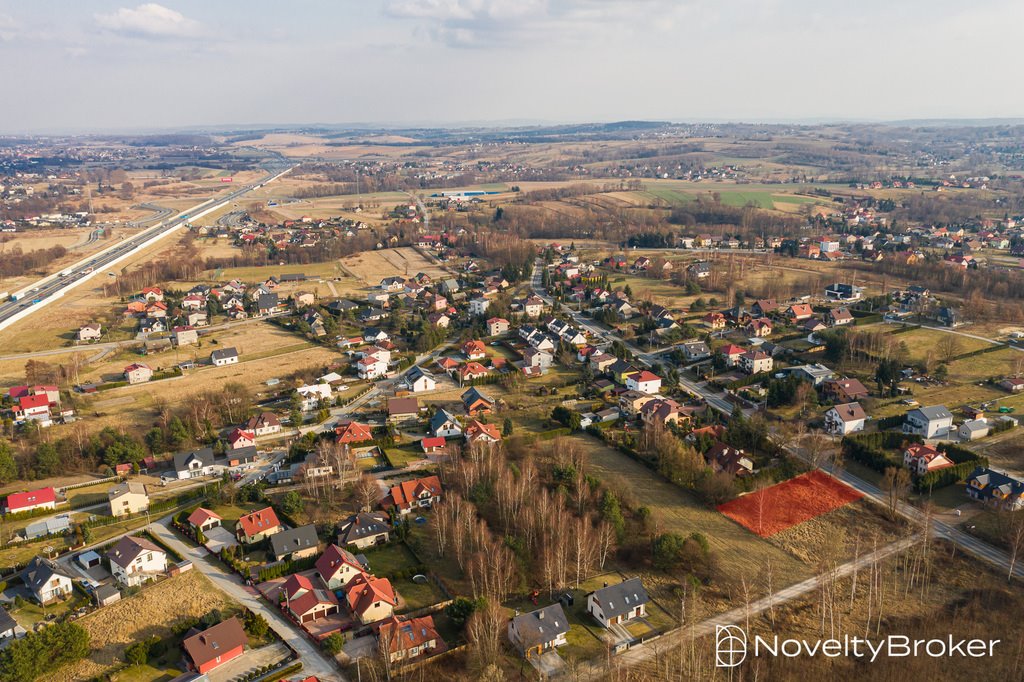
896,483
366,493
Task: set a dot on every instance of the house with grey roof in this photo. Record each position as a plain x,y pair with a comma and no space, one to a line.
295,543
538,631
194,463
996,489
46,580
365,529
445,425
614,604
929,422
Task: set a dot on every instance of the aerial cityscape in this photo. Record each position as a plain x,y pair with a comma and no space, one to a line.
389,341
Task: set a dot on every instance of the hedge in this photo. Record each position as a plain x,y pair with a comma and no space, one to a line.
874,450
947,476
171,552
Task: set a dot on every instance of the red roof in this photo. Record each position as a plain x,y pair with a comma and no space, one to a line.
401,634
30,401
241,434
405,492
645,376
259,522
473,347
731,349
332,559
477,429
16,501
201,516
352,432
436,442
366,590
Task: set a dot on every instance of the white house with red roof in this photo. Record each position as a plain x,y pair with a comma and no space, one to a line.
474,350
43,498
32,407
497,325
644,381
241,438
732,354
258,525
352,432
370,598
409,495
478,432
306,602
204,519
337,567
138,373
921,459
153,294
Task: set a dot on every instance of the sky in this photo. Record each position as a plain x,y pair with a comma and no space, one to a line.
83,65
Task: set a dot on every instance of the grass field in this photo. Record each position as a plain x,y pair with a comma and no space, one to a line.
372,266
677,511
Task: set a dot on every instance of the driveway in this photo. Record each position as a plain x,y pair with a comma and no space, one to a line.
361,647
314,662
548,664
250,660
218,538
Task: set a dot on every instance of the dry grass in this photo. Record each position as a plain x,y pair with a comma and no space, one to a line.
150,612
372,266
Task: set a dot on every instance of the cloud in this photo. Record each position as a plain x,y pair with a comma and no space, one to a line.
150,21
483,23
8,28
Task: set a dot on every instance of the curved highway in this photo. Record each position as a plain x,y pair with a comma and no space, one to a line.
49,288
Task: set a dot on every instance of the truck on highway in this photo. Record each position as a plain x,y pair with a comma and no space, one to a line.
17,297
65,273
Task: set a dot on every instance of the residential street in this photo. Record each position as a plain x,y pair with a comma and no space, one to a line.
314,662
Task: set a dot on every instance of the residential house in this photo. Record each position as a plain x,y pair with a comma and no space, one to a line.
403,409
305,602
661,411
409,495
764,307
195,463
845,419
631,402
41,498
474,350
32,407
443,424
365,529
352,432
837,317
817,373
694,351
759,327
90,332
370,599
644,381
471,371
619,603
921,459
373,365
312,395
600,362
840,291
402,638
755,362
996,489
9,628
47,580
497,326
844,390
1012,384
137,373
799,312
263,424
722,457
337,567
538,631
294,543
127,498
241,438
215,646
257,525
419,380
928,422
477,402
184,336
731,353
134,560
714,321
478,432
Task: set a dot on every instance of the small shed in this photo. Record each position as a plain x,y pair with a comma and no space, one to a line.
106,595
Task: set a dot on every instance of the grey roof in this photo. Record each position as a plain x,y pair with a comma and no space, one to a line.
359,526
933,413
126,488
181,459
267,301
129,548
294,540
417,372
48,526
541,626
39,572
474,394
618,600
440,417
223,354
7,623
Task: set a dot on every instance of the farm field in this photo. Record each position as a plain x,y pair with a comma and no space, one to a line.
371,266
151,612
784,505
677,511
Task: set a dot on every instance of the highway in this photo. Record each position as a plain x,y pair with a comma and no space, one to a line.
53,286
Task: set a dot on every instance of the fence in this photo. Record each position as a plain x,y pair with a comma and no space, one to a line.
85,484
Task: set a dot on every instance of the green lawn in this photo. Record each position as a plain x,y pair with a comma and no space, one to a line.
402,456
417,595
390,559
31,613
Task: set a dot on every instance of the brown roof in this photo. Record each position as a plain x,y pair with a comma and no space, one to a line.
850,412
215,641
403,406
259,522
129,548
400,634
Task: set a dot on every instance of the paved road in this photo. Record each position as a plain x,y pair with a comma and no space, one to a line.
314,662
48,288
739,615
